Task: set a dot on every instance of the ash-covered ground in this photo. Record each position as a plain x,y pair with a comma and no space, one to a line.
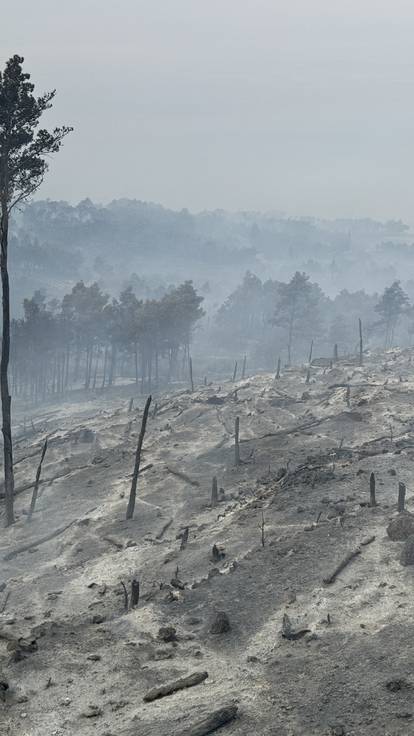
298,656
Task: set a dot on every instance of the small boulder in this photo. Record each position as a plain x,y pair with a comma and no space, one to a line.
407,554
98,619
401,527
92,711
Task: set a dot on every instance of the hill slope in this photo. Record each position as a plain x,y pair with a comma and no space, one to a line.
76,662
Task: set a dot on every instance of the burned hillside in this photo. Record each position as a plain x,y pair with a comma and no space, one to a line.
273,600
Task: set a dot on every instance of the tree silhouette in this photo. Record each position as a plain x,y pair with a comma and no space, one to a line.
23,150
297,310
393,303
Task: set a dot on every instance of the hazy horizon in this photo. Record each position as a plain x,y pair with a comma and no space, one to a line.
237,106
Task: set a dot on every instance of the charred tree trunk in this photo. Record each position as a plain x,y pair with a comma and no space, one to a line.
401,497
361,345
234,372
310,353
4,366
278,369
112,367
236,442
190,363
37,481
134,593
214,493
136,364
105,367
133,492
372,499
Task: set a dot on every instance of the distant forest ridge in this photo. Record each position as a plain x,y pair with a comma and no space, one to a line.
128,242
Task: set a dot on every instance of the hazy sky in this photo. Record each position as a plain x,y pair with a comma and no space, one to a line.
303,106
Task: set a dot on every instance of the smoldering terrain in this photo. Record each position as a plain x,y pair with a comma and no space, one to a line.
242,595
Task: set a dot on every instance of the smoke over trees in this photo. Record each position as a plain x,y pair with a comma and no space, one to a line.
84,339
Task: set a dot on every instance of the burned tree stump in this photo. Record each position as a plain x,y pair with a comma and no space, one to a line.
214,493
37,481
401,497
372,499
310,353
133,492
307,376
278,369
126,596
131,405
234,372
236,442
217,553
134,593
191,375
243,375
221,623
262,531
184,538
335,354
361,346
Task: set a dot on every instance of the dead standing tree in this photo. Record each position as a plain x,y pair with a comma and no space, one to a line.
24,149
401,497
372,499
310,353
133,492
236,442
214,493
234,372
37,481
190,364
361,345
277,376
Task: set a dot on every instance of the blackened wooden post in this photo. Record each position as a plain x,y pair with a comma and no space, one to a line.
278,368
191,375
235,371
335,353
310,353
37,481
134,593
401,497
214,493
372,500
243,375
133,491
131,405
361,346
236,441
308,375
